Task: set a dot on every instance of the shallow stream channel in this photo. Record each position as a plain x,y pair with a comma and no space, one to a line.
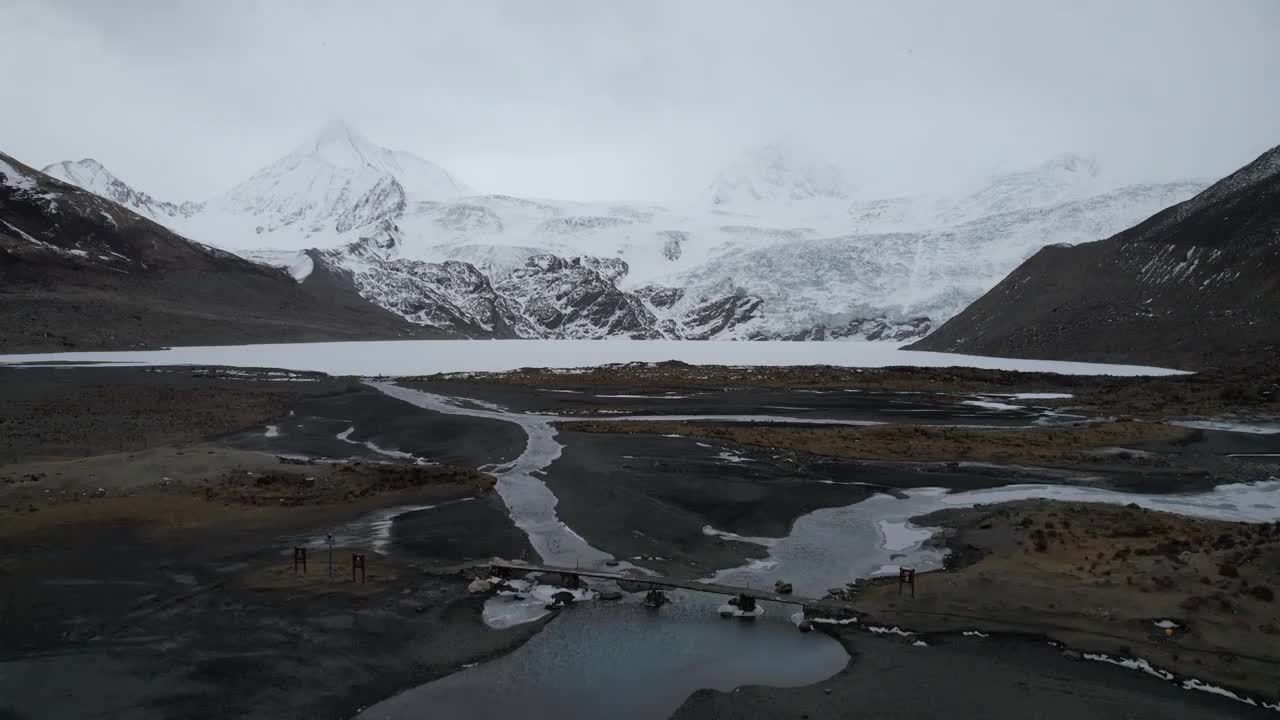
624,660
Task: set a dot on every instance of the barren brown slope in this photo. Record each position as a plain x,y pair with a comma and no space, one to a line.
1194,286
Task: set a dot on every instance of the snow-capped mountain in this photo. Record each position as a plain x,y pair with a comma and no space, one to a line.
777,250
90,175
335,183
85,272
775,174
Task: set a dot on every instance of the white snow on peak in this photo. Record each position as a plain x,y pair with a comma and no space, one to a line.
778,173
342,146
329,190
87,173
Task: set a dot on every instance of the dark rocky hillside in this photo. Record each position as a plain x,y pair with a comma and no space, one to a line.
1194,286
79,272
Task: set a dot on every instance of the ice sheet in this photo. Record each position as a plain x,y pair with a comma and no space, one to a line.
417,357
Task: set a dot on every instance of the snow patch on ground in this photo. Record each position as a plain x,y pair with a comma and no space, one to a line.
10,176
274,431
1131,663
1193,684
895,630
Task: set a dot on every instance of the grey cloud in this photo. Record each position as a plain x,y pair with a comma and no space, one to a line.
641,100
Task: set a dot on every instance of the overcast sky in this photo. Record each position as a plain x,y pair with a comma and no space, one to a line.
606,99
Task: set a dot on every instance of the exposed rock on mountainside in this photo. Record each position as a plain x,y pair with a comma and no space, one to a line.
1193,286
867,328
78,271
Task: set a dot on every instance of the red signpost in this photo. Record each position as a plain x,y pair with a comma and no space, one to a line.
907,576
299,560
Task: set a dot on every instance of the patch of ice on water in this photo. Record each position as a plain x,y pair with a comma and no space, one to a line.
733,457
737,419
345,436
529,501
487,405
733,611
991,405
902,535
423,357
1229,426
503,610
646,397
1240,502
766,542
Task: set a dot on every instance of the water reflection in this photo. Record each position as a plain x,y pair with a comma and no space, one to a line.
626,661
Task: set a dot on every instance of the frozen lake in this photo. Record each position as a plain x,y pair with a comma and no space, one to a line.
423,357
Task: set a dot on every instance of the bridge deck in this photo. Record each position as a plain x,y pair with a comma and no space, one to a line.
834,606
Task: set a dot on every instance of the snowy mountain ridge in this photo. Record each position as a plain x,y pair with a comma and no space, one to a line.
777,251
89,174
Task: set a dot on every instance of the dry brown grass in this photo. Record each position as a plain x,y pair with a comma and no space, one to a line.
1098,576
1040,446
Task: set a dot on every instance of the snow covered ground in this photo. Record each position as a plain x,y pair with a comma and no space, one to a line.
419,357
